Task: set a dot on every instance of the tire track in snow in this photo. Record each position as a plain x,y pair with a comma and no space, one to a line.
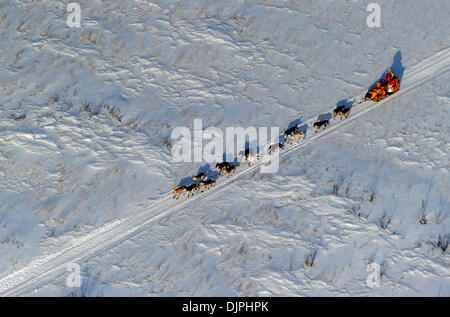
47,268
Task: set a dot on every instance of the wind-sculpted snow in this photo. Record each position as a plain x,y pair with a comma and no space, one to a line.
43,270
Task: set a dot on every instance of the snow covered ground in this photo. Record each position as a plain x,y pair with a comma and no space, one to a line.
85,122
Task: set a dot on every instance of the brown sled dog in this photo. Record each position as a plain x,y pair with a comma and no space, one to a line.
337,110
222,166
191,189
199,177
317,125
345,112
177,191
229,170
289,132
207,184
296,136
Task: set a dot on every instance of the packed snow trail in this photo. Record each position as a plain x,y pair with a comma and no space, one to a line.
45,269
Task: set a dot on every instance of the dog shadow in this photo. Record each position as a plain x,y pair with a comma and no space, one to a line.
324,116
397,67
303,128
230,158
185,181
294,123
345,103
210,173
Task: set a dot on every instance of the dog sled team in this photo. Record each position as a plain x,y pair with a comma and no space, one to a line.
385,87
201,183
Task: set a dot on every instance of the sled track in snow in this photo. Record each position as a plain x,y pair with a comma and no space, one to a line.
47,268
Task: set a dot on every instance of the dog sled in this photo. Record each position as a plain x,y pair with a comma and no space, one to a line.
385,87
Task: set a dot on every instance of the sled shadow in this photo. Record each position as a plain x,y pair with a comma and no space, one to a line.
324,116
397,66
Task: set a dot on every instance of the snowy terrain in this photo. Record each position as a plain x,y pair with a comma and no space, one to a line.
86,172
